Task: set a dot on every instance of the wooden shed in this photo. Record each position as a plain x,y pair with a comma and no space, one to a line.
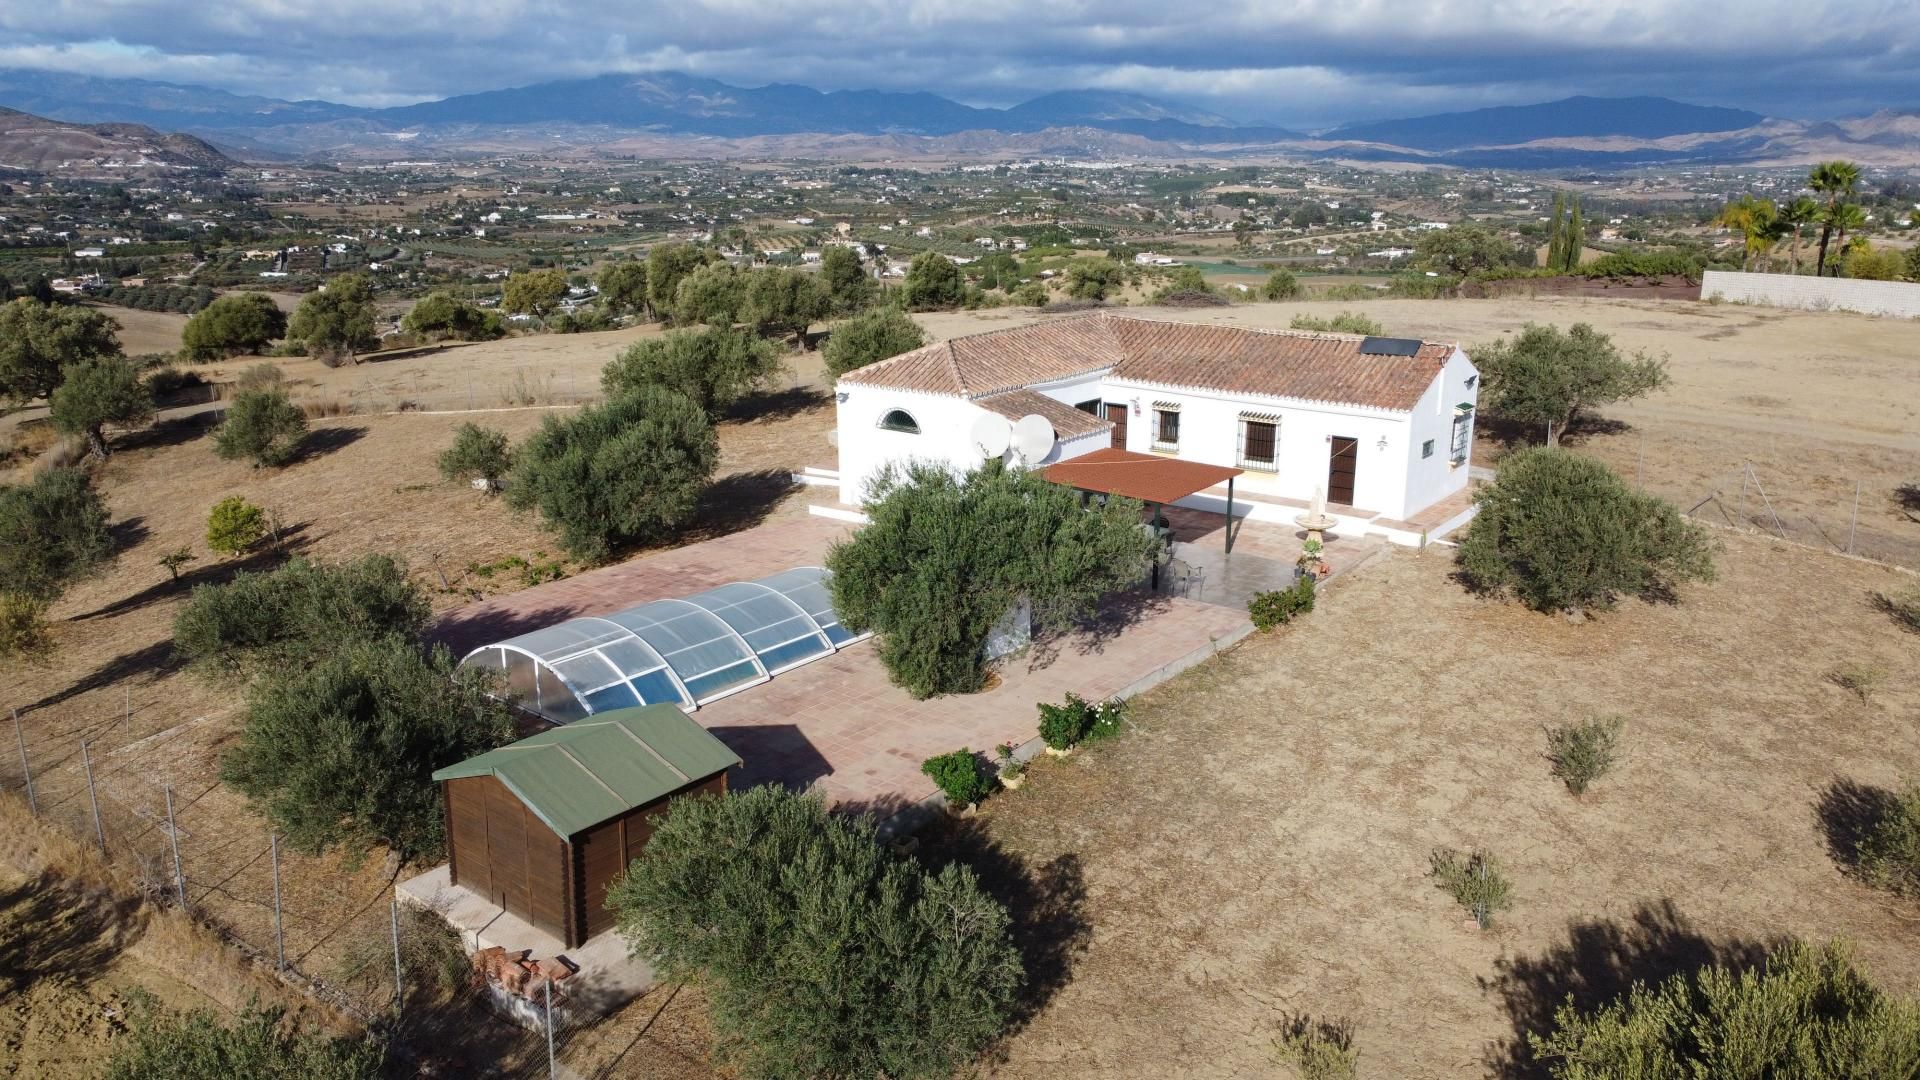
543,826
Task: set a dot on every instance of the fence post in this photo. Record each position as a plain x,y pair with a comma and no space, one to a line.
398,989
553,1068
1853,527
173,833
279,934
26,770
99,830
1745,472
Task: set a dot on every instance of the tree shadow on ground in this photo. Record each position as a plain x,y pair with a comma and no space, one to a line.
1907,497
128,532
1848,811
1903,610
50,932
1513,435
737,502
214,572
173,431
319,442
153,661
777,404
1047,903
1601,960
1114,616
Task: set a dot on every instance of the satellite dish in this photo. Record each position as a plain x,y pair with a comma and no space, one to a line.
1032,438
991,434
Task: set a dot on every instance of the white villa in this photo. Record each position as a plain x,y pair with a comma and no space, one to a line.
1383,425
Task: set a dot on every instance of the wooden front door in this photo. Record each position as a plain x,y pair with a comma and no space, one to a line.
1117,415
1342,463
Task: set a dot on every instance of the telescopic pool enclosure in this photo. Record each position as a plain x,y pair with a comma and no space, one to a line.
683,652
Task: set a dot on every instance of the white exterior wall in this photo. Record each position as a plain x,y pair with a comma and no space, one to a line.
946,434
1431,479
1896,299
1210,433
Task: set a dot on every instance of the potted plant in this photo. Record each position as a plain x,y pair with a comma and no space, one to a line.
1013,772
1062,726
958,776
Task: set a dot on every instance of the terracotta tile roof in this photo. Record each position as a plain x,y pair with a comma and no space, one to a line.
1068,422
1147,477
1269,363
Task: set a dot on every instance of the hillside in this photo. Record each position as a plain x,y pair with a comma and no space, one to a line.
35,144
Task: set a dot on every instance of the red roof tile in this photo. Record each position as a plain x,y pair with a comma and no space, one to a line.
1068,422
1232,359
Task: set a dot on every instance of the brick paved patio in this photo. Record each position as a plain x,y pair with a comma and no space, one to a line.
838,723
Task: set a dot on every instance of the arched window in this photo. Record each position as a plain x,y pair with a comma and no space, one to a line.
900,420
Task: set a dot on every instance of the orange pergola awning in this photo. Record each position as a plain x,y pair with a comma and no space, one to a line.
1147,477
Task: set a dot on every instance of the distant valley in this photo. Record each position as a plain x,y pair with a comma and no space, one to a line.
676,115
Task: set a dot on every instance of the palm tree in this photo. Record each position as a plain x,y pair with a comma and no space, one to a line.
1754,219
1794,217
1837,180
1846,217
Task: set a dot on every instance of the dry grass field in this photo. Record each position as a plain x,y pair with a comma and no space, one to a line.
1231,862
1257,848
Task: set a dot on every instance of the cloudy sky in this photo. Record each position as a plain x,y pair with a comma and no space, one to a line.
1286,61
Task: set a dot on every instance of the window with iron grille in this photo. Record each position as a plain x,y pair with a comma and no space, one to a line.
1462,433
1166,429
1426,449
1260,443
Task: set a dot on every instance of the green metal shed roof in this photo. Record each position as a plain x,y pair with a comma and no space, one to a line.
578,775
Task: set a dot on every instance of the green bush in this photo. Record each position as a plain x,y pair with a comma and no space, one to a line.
1903,607
1030,294
958,776
627,471
433,957
342,750
291,616
1345,322
822,954
338,321
1474,881
868,338
1860,680
260,1044
1889,852
1317,1051
1807,1013
266,376
933,595
1064,726
234,526
1281,285
933,282
1279,606
25,635
264,426
1562,533
477,453
53,532
1582,753
442,316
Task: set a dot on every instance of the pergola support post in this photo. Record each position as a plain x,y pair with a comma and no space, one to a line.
1229,515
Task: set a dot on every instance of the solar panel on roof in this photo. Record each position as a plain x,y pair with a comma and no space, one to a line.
1390,346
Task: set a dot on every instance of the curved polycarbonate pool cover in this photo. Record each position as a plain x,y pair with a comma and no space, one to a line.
684,652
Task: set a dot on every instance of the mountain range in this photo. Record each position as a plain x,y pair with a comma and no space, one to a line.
37,144
674,114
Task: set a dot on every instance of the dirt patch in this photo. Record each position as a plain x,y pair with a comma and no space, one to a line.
1257,847
1664,287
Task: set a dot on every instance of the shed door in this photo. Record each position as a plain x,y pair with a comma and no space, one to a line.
1342,463
1117,415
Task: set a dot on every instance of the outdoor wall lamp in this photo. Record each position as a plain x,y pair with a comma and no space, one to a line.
1382,444
841,397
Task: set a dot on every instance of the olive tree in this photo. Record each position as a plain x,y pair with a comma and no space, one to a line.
477,453
441,315
823,954
933,282
781,302
1093,278
292,615
628,470
234,324
342,750
713,294
1561,532
844,280
337,321
667,264
534,292
1807,1012
714,367
1546,377
53,532
97,392
870,337
264,426
945,558
39,341
623,286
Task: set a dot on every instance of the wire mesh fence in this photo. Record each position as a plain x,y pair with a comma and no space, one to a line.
1839,514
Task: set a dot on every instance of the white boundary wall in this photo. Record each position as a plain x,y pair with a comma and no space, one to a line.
1898,299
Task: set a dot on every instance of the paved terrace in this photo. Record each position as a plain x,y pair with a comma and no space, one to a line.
838,723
